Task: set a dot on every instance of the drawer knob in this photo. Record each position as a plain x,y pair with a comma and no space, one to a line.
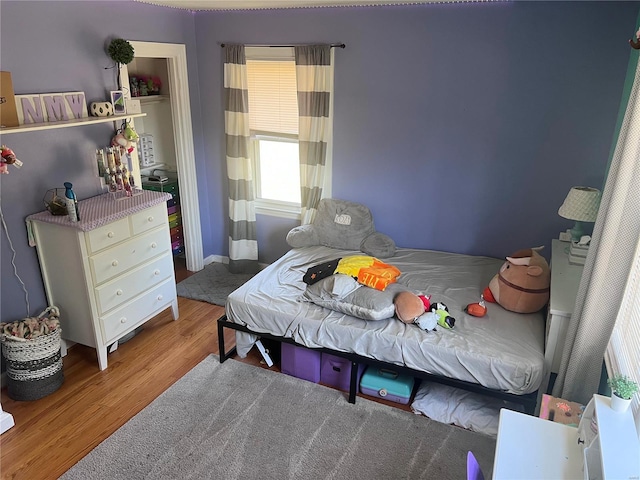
159,297
156,273
150,218
154,245
119,292
110,234
123,320
114,263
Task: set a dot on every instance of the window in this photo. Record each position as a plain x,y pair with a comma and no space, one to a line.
623,352
273,120
273,123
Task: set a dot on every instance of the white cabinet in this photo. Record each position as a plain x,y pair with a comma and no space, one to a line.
607,449
158,120
565,280
612,449
110,272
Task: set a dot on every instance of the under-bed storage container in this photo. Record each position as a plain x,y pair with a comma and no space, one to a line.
300,362
336,371
387,384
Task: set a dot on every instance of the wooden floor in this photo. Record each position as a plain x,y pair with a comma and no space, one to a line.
55,432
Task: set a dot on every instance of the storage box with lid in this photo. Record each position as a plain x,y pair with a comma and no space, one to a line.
300,362
173,210
387,384
336,371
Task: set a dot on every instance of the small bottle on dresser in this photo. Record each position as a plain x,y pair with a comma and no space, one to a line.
72,202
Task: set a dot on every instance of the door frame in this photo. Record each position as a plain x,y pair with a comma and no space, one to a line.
176,56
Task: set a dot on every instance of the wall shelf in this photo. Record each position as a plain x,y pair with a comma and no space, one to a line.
147,99
32,127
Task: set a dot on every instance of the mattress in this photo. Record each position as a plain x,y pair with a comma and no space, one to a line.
501,351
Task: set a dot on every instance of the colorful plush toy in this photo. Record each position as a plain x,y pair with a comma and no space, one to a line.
125,138
8,158
522,284
409,306
418,309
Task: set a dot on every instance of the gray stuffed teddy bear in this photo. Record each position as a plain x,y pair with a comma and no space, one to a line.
344,225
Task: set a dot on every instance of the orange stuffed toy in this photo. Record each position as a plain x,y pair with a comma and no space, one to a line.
418,309
522,284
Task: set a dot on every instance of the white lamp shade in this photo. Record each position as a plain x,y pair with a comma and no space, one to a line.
581,204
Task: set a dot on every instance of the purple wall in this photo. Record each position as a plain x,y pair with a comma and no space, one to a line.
461,126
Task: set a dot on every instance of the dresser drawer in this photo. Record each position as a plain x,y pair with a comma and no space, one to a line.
123,257
108,235
150,218
124,288
140,308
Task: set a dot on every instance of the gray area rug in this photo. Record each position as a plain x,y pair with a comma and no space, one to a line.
212,284
237,421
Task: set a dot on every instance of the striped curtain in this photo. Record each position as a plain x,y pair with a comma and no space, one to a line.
243,243
608,265
313,76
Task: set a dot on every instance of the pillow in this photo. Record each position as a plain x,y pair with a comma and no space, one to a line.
343,225
470,410
344,294
378,245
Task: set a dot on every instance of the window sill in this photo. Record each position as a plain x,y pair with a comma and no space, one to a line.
274,209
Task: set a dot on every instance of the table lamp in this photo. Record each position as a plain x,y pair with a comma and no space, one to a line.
581,205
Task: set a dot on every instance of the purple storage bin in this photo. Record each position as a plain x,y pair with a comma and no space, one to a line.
336,372
300,362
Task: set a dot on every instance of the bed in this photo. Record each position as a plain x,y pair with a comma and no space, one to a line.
500,354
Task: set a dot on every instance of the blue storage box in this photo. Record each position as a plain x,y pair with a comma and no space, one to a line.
300,362
387,384
336,372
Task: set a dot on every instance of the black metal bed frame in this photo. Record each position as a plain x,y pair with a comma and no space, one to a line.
528,401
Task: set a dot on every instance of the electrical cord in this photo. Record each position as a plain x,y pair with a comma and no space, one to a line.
13,258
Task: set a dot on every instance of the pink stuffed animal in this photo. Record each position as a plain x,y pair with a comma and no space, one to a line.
8,158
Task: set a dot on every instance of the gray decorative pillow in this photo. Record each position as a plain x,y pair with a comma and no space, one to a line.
344,294
344,225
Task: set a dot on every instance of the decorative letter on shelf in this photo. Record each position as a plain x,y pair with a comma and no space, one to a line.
51,107
29,109
76,105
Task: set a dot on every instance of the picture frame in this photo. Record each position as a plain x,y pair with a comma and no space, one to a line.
117,100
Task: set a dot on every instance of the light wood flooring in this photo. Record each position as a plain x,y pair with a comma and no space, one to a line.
53,433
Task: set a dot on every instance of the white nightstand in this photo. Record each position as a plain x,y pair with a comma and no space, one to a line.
565,280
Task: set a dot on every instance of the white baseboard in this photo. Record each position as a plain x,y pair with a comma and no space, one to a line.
223,259
216,259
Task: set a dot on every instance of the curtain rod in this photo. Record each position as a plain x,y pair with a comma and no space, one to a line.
332,45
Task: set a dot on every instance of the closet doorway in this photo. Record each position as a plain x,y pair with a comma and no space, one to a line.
168,126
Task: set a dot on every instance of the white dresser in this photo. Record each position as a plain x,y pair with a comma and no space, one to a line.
110,272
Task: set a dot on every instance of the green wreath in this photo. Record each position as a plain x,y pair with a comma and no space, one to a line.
120,51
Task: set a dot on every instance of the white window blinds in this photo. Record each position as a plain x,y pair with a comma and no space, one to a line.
273,99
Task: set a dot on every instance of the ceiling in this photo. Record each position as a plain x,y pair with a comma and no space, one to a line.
267,4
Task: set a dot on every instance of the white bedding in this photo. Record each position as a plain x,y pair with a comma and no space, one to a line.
501,351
